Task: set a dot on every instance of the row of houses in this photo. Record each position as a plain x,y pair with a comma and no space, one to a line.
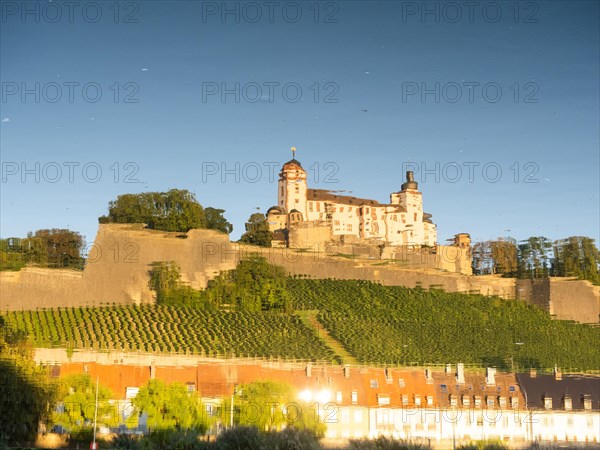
434,406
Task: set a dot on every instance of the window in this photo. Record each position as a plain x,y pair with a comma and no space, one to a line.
429,399
417,400
514,402
401,382
338,397
547,402
345,416
477,401
453,400
310,207
358,416
490,401
443,387
354,397
383,400
374,384
404,399
466,400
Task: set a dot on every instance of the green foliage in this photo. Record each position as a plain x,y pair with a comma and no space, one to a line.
577,256
175,210
165,280
25,389
484,445
398,325
538,257
171,406
157,328
270,406
534,255
254,285
77,397
384,443
216,221
257,231
241,438
54,248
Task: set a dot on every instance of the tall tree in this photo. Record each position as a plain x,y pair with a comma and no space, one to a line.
257,231
77,400
576,256
25,389
504,256
170,406
269,405
215,220
534,256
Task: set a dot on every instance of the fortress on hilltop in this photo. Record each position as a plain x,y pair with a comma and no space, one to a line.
302,213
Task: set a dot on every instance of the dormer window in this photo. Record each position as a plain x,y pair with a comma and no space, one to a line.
547,402
568,403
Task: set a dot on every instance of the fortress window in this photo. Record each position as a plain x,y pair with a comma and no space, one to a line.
341,209
310,207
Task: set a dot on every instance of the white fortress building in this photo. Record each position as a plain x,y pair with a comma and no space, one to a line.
318,215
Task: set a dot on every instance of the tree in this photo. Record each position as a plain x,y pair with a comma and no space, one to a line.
504,256
216,221
25,389
175,210
534,256
576,256
254,285
77,395
169,406
165,280
164,277
270,406
257,231
55,248
483,263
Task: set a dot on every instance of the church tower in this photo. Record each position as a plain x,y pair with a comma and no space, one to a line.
411,199
292,187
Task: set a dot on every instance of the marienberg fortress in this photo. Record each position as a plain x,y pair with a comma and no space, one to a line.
317,234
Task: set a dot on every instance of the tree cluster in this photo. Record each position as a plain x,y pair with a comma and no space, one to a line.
254,285
538,257
174,210
54,248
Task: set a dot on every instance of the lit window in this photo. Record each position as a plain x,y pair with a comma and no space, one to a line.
383,400
354,397
358,417
417,400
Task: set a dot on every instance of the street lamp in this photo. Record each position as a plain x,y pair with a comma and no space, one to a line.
231,406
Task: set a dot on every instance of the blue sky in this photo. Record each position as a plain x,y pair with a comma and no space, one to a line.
508,95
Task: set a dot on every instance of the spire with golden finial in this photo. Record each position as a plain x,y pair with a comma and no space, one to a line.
293,152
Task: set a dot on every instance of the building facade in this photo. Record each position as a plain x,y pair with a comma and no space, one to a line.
401,222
